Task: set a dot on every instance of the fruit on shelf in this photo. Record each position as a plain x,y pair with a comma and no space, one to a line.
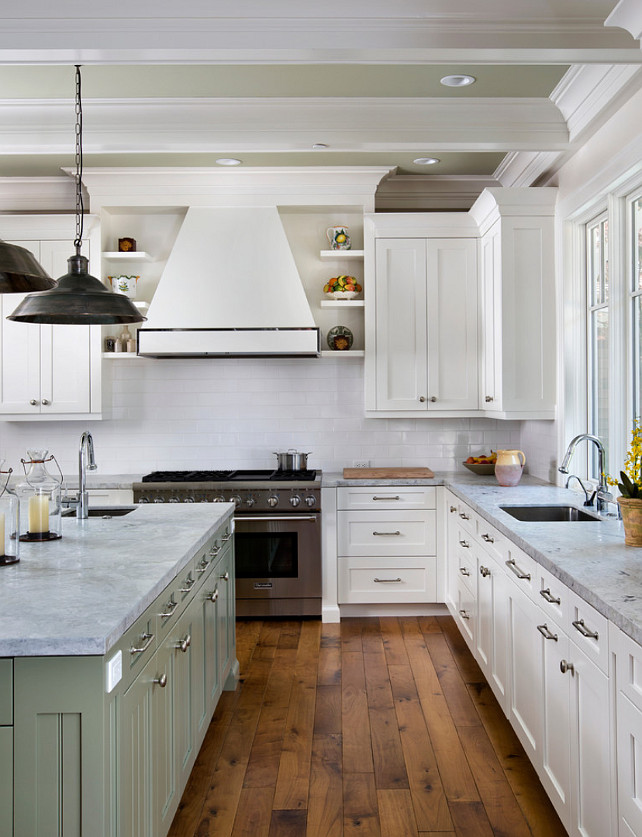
484,459
342,283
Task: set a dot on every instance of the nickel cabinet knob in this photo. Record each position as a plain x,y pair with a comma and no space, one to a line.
46,402
33,402
422,398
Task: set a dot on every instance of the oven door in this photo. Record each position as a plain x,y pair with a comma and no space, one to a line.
278,560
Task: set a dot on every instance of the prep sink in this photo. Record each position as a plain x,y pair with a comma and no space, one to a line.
102,511
548,514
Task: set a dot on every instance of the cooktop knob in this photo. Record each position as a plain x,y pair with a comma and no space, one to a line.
310,500
159,499
250,501
295,500
219,499
174,500
144,500
236,499
189,500
272,501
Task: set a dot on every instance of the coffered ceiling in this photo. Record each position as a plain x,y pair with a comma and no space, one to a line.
184,84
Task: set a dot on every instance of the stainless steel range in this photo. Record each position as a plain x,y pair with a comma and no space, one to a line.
277,531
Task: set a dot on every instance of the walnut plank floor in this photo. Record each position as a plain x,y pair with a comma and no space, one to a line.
371,728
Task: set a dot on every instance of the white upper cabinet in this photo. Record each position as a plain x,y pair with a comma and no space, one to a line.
47,371
518,356
421,321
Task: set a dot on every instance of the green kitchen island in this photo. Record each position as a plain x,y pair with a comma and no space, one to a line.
115,644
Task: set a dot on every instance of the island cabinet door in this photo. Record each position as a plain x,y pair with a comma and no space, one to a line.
208,600
147,764
225,628
185,644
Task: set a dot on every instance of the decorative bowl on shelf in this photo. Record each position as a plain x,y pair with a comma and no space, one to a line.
482,468
341,294
342,287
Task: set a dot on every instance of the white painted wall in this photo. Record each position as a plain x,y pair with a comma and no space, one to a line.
235,412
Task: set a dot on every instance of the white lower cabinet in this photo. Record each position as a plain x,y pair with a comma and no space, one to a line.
628,655
545,654
386,545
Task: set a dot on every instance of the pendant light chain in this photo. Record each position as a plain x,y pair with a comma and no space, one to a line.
79,201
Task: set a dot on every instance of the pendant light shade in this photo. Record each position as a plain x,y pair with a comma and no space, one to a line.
20,272
77,298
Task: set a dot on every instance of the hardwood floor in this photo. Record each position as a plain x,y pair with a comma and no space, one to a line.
378,727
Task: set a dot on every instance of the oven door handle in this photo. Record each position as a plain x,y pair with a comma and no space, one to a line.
279,517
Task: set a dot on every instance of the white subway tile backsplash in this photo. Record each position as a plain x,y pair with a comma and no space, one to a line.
234,412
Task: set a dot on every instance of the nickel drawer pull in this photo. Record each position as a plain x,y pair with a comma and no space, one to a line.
453,509
484,571
213,596
189,583
202,566
170,607
387,533
488,539
465,544
546,633
214,550
388,580
546,594
464,571
226,538
464,516
147,640
184,644
464,615
395,497
512,566
579,625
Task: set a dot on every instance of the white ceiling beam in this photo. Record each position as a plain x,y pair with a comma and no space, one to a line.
277,125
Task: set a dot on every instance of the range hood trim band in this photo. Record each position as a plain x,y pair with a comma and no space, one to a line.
265,342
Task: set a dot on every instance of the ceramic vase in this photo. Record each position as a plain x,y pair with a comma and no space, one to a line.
631,508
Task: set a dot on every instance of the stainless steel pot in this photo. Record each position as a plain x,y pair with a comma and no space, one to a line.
292,460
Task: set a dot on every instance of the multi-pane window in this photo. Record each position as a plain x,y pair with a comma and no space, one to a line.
597,271
635,289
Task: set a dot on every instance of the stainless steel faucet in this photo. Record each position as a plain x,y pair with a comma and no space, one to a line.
603,493
86,462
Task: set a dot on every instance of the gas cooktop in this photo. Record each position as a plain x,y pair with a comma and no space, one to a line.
230,476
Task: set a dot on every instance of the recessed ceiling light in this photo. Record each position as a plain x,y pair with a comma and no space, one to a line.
426,161
228,161
458,81
319,146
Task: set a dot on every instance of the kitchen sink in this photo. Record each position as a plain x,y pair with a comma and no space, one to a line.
549,514
103,511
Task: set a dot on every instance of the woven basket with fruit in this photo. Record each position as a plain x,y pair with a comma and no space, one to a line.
342,287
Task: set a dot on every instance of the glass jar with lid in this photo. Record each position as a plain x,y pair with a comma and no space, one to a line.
40,499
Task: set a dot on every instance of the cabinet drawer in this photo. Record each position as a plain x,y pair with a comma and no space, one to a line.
522,569
492,540
467,519
379,580
386,497
553,597
628,656
386,533
6,692
589,630
137,645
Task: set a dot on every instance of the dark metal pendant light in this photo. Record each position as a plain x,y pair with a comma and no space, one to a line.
78,298
20,272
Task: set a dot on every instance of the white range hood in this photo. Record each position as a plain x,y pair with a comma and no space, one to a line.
230,287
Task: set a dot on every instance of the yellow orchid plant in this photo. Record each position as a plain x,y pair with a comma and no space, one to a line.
630,484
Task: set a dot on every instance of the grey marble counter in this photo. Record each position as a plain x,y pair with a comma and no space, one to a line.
79,594
589,557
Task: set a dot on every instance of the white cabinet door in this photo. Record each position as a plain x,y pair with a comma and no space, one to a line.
491,641
44,369
452,324
491,381
401,326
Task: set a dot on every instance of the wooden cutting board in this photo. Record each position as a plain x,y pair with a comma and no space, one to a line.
399,473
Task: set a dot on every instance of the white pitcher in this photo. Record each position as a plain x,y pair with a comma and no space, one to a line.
509,466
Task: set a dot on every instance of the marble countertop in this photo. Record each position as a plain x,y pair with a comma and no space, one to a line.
589,557
78,595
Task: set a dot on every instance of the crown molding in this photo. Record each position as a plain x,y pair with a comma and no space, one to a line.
37,194
525,168
627,15
423,193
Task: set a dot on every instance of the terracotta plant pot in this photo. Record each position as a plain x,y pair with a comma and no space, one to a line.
631,509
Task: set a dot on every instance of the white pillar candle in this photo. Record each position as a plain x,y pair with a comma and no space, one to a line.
39,513
2,545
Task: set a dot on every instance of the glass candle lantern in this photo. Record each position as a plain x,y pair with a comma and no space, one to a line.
9,525
40,499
